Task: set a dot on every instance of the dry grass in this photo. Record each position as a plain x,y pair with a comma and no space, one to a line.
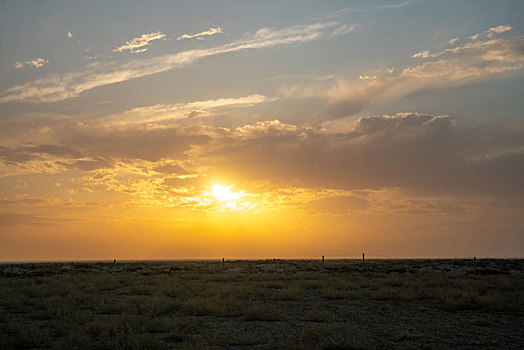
201,304
263,312
290,293
318,315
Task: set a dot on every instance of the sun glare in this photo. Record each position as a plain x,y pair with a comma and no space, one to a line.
222,193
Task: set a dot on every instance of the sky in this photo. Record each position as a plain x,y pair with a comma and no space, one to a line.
261,129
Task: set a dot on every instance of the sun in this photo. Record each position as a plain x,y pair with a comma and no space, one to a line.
223,193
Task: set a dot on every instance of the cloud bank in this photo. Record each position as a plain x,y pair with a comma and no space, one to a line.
426,154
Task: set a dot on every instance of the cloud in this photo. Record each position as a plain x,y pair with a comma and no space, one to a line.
475,61
344,29
199,109
134,142
201,35
426,154
58,87
423,54
170,169
136,134
23,154
373,165
35,62
69,35
338,204
401,4
491,32
136,45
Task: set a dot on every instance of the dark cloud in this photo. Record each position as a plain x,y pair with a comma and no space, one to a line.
140,142
26,153
429,154
53,150
94,164
338,205
171,169
426,154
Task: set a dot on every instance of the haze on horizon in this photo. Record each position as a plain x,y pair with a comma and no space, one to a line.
187,130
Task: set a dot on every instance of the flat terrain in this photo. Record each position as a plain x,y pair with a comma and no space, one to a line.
273,304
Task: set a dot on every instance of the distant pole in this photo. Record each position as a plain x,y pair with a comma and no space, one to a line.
113,269
322,262
171,269
362,259
223,262
475,263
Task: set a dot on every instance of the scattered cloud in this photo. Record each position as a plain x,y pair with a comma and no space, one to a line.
58,87
69,35
201,35
423,54
491,32
453,40
137,45
472,62
35,62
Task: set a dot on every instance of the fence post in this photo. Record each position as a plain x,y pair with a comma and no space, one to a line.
223,262
475,263
113,269
322,262
362,259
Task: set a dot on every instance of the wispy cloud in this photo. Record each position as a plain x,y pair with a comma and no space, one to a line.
311,77
344,29
137,45
482,57
201,35
194,109
58,87
401,4
35,62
